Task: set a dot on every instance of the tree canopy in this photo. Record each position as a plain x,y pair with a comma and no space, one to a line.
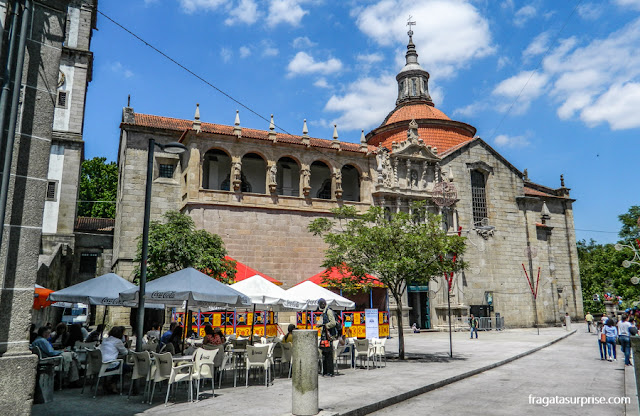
397,248
601,270
176,244
98,188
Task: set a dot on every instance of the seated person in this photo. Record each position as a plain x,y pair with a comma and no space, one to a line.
111,348
164,339
208,335
59,336
415,328
94,336
154,332
41,342
75,334
289,336
176,340
218,337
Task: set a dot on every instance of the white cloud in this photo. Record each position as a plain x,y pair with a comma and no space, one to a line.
321,83
524,14
469,110
538,45
119,69
634,4
303,42
618,107
225,54
511,141
304,63
599,81
246,11
449,33
523,87
507,4
285,11
365,103
371,58
191,6
503,61
590,11
268,49
244,51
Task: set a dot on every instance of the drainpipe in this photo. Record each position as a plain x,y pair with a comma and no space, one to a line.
11,130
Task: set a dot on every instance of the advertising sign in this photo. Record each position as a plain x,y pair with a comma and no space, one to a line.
371,323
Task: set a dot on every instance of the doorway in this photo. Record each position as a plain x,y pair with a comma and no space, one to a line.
419,304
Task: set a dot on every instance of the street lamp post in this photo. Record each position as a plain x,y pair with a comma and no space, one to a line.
174,148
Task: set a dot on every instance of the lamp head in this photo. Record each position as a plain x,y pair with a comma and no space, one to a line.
173,148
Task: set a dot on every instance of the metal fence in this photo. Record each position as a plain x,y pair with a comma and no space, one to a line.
484,324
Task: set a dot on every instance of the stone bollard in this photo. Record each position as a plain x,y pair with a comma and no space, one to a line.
305,373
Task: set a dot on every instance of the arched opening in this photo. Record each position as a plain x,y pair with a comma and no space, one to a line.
350,183
216,169
254,174
320,180
288,177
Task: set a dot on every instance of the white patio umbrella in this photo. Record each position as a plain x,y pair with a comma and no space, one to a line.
266,295
309,293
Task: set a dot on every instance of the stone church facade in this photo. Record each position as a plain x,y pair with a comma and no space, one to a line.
259,190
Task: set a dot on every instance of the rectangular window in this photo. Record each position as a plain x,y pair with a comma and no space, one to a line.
51,190
88,263
478,197
62,99
166,171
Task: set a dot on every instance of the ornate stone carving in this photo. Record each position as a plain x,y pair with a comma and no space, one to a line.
338,176
236,175
306,181
273,184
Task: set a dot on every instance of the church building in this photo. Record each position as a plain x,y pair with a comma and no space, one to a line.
259,190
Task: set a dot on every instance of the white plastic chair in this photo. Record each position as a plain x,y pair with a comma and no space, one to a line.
203,368
363,350
258,356
286,349
163,362
99,369
141,369
379,350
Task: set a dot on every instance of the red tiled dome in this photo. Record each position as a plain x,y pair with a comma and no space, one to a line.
415,112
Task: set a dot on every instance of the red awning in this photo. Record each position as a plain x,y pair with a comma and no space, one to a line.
335,274
40,296
243,272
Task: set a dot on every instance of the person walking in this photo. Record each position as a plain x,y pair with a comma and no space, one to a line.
625,340
602,341
611,334
473,323
589,318
328,333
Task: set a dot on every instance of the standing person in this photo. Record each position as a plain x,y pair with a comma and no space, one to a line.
625,340
473,323
589,318
602,341
611,332
327,335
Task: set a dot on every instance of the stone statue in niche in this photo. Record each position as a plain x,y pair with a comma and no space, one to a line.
338,176
236,175
413,182
306,181
384,167
412,132
273,171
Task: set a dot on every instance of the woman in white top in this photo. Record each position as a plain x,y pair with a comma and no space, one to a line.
112,346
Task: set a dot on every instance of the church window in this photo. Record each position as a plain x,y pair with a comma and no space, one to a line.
401,89
88,263
414,87
166,170
62,99
52,186
478,196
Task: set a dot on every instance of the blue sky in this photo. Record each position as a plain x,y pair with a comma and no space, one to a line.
554,86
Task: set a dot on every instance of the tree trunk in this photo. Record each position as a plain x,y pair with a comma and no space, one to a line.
398,299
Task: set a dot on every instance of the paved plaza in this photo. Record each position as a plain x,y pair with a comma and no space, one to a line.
555,362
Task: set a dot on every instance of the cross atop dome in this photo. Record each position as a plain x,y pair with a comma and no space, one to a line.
413,81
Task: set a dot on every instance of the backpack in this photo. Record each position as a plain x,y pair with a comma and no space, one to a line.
338,328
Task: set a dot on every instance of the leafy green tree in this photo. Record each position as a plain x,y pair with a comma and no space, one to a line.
98,182
176,244
601,268
398,249
630,230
